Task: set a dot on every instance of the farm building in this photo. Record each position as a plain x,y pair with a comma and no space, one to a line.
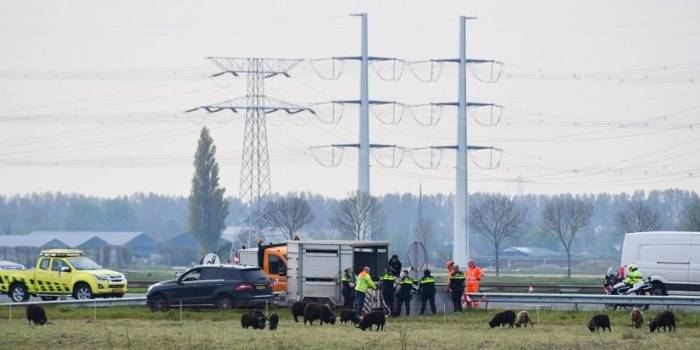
111,248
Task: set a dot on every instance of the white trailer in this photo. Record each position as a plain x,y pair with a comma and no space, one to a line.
314,268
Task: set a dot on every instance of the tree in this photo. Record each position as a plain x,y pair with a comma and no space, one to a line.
359,217
207,207
690,218
638,217
288,214
423,232
564,216
497,217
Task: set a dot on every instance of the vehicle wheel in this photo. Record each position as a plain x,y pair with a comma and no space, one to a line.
158,303
49,298
19,293
224,303
82,292
120,295
644,307
658,289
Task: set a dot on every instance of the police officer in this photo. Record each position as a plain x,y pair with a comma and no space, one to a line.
456,287
426,288
347,291
388,288
404,294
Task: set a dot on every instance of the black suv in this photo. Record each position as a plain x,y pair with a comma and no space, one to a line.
223,286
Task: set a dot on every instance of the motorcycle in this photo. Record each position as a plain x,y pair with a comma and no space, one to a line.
612,286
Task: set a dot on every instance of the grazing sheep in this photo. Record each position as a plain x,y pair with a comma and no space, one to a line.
503,318
370,319
274,320
252,320
320,312
349,315
599,321
36,315
664,319
298,309
637,317
523,319
257,312
327,315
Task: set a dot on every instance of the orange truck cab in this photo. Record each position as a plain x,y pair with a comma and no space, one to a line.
272,258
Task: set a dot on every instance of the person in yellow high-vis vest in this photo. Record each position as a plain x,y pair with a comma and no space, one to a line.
364,282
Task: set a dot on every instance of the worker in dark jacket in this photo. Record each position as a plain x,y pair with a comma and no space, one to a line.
426,288
348,288
404,294
395,265
456,288
388,288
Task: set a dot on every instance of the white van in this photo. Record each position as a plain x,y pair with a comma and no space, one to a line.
670,258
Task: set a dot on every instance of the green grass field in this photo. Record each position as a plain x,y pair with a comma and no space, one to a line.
138,328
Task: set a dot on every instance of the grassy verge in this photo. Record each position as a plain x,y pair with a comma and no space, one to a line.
138,328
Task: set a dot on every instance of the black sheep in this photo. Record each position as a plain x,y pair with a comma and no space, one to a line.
320,312
349,315
665,319
257,312
298,310
327,315
599,321
372,318
274,320
503,318
36,315
252,320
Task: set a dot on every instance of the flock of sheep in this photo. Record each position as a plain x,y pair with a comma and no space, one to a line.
311,312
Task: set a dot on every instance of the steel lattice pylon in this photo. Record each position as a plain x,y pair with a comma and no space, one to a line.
255,166
255,183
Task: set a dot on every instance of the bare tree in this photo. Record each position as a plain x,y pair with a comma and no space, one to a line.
287,214
564,216
423,232
359,217
638,217
690,219
497,217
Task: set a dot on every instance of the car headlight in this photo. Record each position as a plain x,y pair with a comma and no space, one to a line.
101,278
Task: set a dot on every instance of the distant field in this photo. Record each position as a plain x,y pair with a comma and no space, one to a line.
138,328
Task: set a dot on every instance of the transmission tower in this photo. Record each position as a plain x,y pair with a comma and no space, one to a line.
255,163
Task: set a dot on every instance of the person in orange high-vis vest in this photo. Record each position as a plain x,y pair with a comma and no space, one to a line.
473,276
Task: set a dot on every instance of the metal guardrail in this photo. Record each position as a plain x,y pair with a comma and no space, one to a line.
669,300
88,302
496,286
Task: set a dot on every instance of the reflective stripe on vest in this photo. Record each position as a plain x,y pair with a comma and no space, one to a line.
427,280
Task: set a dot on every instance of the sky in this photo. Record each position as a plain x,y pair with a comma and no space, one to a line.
597,97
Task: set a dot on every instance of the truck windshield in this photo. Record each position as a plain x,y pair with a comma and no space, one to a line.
83,263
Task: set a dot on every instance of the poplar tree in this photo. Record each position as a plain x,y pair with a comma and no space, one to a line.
207,207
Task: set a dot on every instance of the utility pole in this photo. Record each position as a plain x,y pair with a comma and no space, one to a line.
255,183
363,166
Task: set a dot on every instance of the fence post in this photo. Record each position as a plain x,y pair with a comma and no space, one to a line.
10,312
95,311
181,310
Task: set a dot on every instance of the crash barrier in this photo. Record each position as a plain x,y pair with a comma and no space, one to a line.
496,287
94,303
576,299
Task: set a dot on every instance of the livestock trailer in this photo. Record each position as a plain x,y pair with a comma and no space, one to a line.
314,268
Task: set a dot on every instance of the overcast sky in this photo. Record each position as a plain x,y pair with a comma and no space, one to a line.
597,98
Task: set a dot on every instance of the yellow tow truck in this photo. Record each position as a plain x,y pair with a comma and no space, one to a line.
62,272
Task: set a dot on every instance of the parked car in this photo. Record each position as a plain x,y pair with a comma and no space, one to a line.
671,259
222,286
9,265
